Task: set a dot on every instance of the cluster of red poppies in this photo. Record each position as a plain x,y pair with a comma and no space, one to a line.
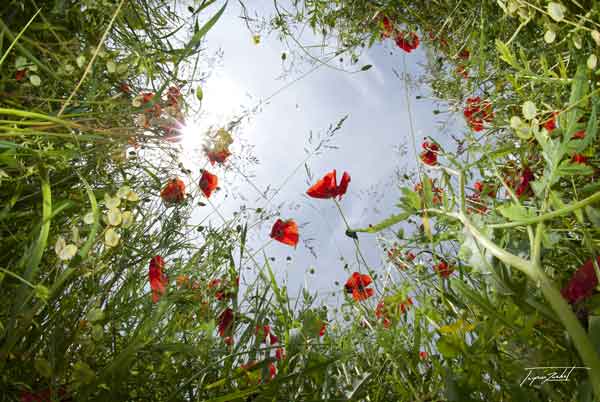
478,112
407,41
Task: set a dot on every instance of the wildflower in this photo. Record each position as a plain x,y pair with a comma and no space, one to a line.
388,27
208,183
477,112
550,124
111,202
125,88
20,74
579,158
114,217
357,286
217,156
582,283
225,321
88,218
111,237
524,187
63,251
579,135
280,354
173,96
443,269
285,232
174,191
158,280
462,71
127,219
323,329
218,151
228,340
407,41
327,187
264,333
410,256
429,155
423,355
464,54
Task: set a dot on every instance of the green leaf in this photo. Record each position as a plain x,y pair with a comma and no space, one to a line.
567,168
366,67
43,367
515,212
506,54
578,90
392,220
199,93
593,215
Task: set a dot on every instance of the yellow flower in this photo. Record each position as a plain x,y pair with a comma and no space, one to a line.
63,250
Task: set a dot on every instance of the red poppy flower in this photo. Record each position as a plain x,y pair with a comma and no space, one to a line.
208,183
327,186
550,124
20,74
264,332
429,155
323,329
462,71
174,191
477,112
464,54
147,97
173,95
410,256
443,269
280,354
524,187
217,156
228,340
272,370
582,283
579,158
357,284
225,321
388,28
158,280
579,135
285,232
423,355
407,41
125,88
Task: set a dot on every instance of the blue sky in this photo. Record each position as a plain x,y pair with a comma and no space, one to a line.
367,144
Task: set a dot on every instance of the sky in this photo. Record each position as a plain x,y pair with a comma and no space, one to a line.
367,145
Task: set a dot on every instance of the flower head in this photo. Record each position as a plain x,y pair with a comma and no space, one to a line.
429,155
477,112
285,232
579,158
388,27
225,321
158,280
523,187
582,283
174,191
208,183
443,269
407,41
327,186
357,284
